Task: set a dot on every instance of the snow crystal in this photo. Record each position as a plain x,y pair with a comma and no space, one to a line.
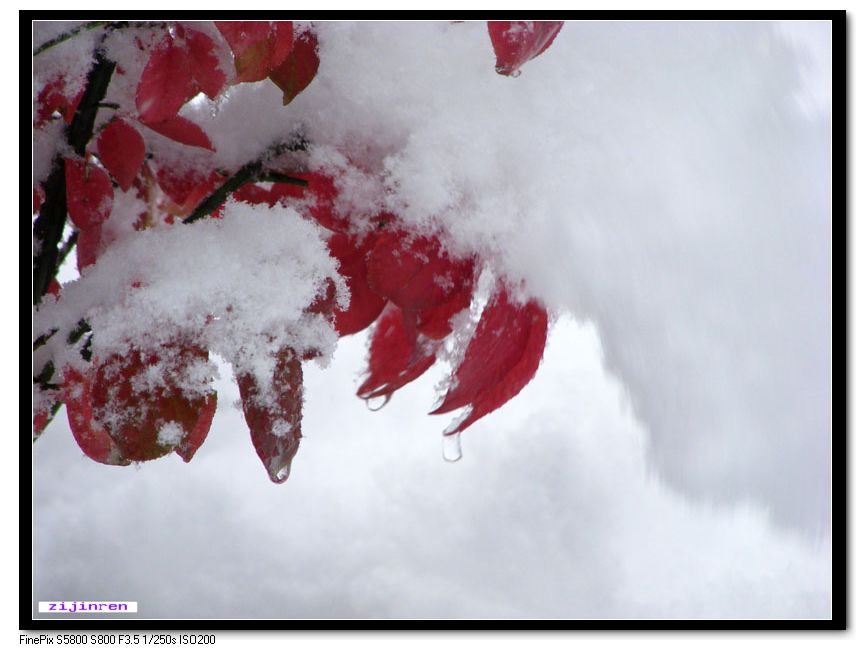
170,434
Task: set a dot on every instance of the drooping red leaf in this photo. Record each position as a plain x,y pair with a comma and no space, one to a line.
204,63
258,46
121,150
516,378
183,131
149,418
166,84
518,42
501,357
299,68
89,194
365,305
274,416
92,439
415,273
396,355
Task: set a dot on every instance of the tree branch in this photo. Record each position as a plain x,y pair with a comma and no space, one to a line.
249,173
48,227
107,24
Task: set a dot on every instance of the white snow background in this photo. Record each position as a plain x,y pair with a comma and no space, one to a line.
662,187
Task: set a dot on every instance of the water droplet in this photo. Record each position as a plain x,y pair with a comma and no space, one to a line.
377,403
281,473
452,449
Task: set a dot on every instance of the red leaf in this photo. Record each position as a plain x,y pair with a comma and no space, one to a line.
258,46
282,34
204,63
415,274
396,356
299,68
166,84
89,194
121,150
516,43
500,359
275,427
365,305
93,440
147,419
183,131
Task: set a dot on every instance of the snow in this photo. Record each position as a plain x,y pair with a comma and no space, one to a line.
666,182
237,285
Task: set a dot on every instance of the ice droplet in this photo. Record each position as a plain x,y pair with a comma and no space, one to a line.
452,449
377,403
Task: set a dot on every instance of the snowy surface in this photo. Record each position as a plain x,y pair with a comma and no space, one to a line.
666,183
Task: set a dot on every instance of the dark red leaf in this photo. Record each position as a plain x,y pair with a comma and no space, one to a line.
89,194
396,355
275,427
501,358
183,131
299,68
121,150
518,42
204,63
166,84
415,273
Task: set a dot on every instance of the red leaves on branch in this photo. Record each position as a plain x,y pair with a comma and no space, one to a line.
518,42
121,150
89,194
501,358
299,68
131,408
258,46
404,284
274,424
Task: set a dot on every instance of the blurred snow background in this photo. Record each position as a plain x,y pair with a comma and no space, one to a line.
663,187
